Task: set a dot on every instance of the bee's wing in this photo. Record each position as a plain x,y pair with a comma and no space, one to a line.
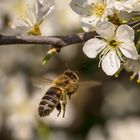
91,83
85,86
41,82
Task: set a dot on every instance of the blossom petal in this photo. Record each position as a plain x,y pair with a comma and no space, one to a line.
89,2
110,4
23,13
106,29
80,7
125,33
136,5
128,49
89,23
44,8
93,47
111,63
47,3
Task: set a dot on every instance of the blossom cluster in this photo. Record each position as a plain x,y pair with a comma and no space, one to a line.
115,40
114,43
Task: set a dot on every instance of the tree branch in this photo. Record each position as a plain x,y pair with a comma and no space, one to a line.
59,41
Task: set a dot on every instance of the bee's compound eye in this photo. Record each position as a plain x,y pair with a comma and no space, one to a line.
74,76
71,74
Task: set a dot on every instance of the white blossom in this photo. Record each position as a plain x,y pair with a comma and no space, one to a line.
126,5
91,11
19,108
133,66
29,13
114,44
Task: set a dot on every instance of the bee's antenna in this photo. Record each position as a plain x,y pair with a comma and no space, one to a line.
68,66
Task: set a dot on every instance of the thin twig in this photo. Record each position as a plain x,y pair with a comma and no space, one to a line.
59,41
134,22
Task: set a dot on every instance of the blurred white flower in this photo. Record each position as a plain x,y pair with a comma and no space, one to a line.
123,5
133,66
125,129
115,43
95,133
120,99
30,13
136,5
20,108
91,11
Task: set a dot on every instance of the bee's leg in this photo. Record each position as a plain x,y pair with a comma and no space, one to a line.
64,102
58,107
69,96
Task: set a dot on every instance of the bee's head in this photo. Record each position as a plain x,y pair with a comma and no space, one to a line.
71,74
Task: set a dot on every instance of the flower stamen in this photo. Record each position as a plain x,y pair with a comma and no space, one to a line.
114,44
97,9
119,54
103,54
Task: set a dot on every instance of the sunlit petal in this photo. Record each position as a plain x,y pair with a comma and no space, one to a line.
80,7
129,50
88,23
111,63
125,33
94,1
105,29
93,47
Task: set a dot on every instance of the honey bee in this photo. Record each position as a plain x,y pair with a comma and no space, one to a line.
62,88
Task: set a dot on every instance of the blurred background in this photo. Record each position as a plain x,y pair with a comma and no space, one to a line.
110,111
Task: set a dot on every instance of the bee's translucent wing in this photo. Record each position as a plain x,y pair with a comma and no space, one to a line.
85,86
90,83
41,82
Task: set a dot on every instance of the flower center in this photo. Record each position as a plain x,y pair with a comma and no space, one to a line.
35,30
99,9
114,44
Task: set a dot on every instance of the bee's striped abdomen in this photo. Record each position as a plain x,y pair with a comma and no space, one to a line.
49,101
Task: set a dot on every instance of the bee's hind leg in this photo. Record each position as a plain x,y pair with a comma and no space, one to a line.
58,107
64,102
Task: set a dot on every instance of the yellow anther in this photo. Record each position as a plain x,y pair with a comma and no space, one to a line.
99,9
114,43
138,81
118,72
131,77
35,30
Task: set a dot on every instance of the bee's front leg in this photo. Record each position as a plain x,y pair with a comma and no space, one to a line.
58,107
64,102
69,95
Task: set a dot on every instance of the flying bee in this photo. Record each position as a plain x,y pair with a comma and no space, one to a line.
62,88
